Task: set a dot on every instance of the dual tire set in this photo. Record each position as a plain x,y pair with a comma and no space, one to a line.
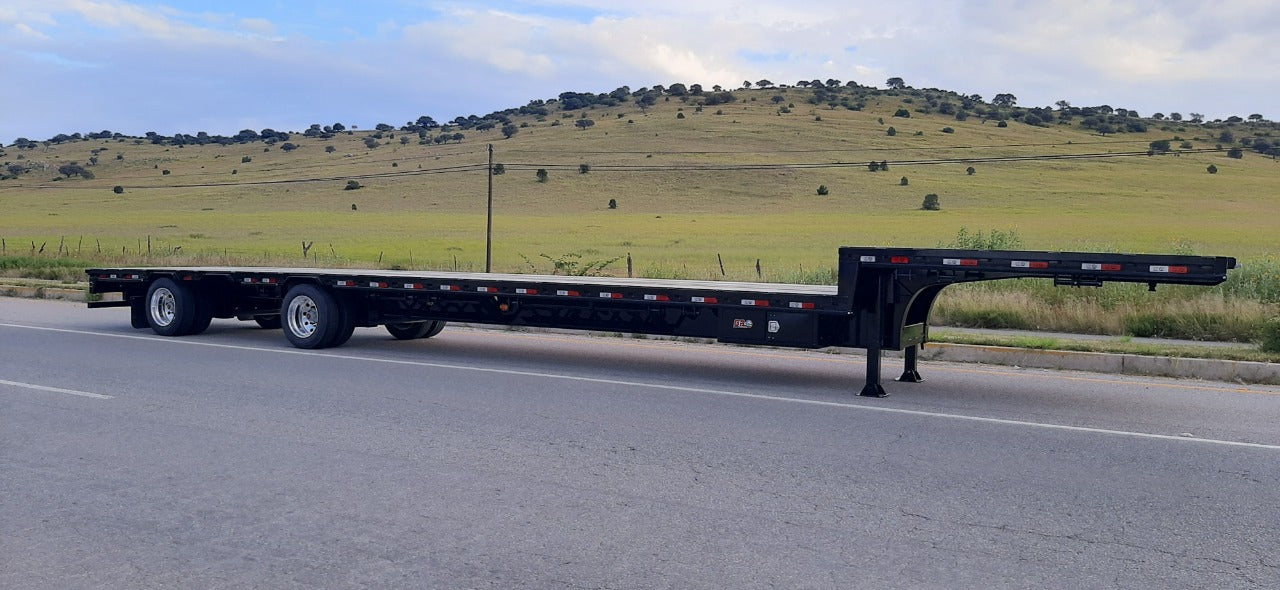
310,316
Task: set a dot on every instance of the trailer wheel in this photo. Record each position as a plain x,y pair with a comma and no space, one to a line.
311,317
268,322
170,308
409,330
415,330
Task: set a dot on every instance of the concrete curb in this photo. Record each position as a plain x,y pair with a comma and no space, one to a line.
1099,362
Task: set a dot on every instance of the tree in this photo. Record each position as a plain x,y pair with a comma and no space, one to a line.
904,113
1175,116
542,175
970,171
1004,100
895,83
891,132
1062,105
613,203
1211,169
677,89
1197,118
117,189
72,169
328,149
15,169
762,84
370,142
822,190
509,130
1234,152
1255,117
777,98
583,123
352,185
1160,145
584,168
1227,137
499,168
288,146
931,203
903,182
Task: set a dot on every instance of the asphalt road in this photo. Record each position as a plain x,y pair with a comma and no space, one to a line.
486,459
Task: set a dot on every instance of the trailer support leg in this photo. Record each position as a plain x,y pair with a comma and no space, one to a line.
909,372
873,387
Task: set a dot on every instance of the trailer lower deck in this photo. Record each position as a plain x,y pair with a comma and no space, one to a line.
881,301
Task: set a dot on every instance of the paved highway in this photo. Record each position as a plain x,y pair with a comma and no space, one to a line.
485,459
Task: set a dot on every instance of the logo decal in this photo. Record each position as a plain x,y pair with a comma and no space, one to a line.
741,324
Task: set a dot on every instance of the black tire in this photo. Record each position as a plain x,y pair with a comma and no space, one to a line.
204,313
268,322
410,330
311,317
170,308
415,330
435,329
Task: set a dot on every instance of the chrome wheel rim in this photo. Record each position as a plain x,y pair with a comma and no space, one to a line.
163,307
303,314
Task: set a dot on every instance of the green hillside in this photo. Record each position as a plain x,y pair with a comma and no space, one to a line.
738,179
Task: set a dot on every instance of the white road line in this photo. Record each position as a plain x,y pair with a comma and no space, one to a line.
54,389
659,386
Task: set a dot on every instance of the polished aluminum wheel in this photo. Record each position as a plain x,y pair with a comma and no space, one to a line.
163,307
303,316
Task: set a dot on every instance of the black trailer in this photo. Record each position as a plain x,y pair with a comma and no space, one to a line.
881,301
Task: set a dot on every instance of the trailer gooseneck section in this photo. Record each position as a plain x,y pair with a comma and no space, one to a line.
881,302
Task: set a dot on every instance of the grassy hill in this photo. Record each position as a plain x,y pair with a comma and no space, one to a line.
672,216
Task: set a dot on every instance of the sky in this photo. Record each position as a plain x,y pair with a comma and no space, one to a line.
185,66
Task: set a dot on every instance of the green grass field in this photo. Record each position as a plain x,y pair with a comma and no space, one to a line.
413,213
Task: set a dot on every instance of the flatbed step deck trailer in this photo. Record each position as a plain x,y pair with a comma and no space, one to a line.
881,300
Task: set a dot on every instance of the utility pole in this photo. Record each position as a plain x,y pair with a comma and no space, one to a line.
488,233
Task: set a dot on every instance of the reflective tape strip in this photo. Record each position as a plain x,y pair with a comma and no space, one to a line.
1028,264
567,293
1181,270
1096,266
413,286
704,300
608,295
487,289
526,291
449,288
345,283
756,302
867,259
378,284
648,297
960,261
801,305
899,259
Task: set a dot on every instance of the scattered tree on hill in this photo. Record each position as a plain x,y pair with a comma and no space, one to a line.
117,189
542,175
1212,169
1235,152
370,142
583,123
499,168
1160,146
328,149
288,146
904,113
509,130
761,84
613,203
1004,100
352,185
931,203
903,182
891,132
822,190
895,83
971,171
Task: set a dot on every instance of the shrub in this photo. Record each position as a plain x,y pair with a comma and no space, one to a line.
584,168
904,113
1002,124
679,115
499,168
822,190
542,175
117,189
288,146
903,182
1211,169
970,171
1271,335
164,172
931,203
247,159
352,185
948,130
613,203
1235,152
891,132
